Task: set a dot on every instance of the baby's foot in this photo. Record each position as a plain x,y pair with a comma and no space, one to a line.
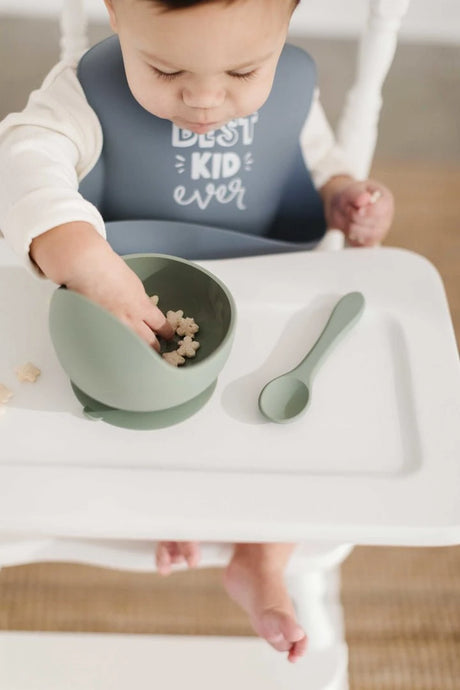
171,552
261,592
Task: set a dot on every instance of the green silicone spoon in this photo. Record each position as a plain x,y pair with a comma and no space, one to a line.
285,398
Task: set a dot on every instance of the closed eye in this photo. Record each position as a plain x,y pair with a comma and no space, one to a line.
167,76
244,75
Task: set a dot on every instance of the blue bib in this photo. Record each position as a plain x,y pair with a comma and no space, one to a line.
249,176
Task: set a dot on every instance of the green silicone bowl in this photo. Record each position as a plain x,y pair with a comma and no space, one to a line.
110,365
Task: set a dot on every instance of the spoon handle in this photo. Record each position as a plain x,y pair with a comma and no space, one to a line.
345,313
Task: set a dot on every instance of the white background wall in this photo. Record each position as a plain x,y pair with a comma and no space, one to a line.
427,20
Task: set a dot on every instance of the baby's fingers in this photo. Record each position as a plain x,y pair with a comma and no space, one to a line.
369,220
360,236
148,335
372,221
158,322
142,330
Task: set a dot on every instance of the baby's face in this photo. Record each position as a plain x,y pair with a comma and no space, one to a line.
205,65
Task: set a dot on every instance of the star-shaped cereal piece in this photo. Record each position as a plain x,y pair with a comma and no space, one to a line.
28,372
154,300
187,326
5,394
174,317
173,358
188,347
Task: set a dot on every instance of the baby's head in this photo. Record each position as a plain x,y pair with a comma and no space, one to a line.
201,63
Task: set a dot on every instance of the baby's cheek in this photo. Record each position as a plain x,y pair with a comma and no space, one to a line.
159,108
149,97
253,99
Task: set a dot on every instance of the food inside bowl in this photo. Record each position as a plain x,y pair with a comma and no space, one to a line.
182,346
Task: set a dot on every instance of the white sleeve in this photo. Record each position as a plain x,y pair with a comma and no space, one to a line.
322,155
45,151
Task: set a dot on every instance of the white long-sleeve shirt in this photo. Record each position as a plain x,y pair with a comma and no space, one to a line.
49,147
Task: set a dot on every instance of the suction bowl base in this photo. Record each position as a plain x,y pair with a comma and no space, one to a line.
96,411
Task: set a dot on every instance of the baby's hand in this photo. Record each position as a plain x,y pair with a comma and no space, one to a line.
362,210
75,255
117,288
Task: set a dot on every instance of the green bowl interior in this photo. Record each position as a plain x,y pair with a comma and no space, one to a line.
181,285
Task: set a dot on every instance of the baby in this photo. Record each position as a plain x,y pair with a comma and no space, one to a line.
199,69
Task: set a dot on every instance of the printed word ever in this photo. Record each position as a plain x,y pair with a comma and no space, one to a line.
222,193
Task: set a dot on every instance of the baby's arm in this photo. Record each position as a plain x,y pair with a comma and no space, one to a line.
75,255
349,205
45,151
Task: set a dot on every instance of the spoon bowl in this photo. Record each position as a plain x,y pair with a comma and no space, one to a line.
285,398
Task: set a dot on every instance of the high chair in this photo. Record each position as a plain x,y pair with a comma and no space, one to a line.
374,462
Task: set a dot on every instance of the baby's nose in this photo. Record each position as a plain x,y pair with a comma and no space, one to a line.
205,97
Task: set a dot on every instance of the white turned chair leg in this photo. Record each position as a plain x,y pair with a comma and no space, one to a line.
314,585
357,129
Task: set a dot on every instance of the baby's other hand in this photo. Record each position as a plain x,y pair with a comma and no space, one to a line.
363,210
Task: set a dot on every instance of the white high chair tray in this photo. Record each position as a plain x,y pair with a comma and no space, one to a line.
375,459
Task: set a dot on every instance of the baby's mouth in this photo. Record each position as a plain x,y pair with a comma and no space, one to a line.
200,127
193,124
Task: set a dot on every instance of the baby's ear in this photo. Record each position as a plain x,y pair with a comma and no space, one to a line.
112,15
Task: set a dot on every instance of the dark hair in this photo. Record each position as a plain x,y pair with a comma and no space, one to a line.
169,5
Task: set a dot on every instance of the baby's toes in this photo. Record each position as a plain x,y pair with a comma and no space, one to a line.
164,557
279,642
298,649
191,552
281,630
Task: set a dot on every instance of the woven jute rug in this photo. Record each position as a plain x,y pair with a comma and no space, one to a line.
402,610
402,605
